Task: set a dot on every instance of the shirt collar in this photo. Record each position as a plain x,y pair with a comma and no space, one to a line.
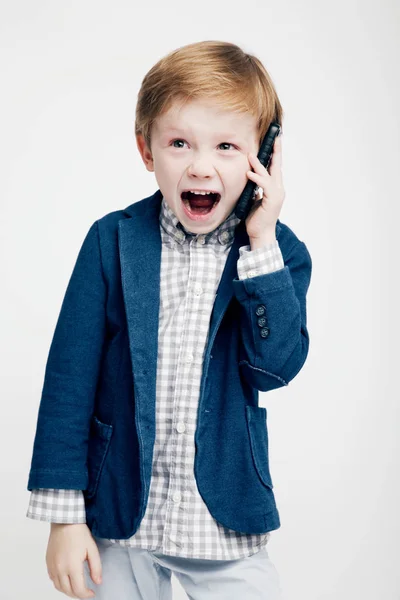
223,234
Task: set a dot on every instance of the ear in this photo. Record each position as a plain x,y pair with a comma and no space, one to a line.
145,152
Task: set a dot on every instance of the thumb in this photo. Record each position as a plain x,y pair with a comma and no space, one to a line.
94,563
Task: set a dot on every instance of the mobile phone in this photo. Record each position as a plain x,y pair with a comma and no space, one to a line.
246,200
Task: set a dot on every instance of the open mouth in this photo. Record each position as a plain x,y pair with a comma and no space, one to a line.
199,205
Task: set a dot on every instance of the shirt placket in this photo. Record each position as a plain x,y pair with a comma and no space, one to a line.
181,441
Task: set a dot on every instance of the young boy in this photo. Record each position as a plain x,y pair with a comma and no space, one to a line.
151,451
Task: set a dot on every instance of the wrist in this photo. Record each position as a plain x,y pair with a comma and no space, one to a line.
259,242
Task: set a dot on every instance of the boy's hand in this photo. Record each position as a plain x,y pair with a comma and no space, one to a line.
261,221
69,546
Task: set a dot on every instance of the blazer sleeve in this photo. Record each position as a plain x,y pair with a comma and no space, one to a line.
273,321
67,402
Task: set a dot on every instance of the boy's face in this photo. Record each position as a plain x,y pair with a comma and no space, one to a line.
200,147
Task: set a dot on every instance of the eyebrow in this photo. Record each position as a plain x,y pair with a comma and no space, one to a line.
170,130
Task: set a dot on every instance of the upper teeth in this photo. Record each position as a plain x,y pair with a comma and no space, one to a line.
200,192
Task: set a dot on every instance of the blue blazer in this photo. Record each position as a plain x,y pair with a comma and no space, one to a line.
96,420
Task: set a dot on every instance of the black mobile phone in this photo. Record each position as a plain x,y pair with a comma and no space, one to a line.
246,200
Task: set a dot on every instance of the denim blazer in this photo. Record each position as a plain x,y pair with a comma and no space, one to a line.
96,420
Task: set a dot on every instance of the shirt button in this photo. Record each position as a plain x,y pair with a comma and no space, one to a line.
189,358
180,427
260,310
176,497
224,236
198,290
252,273
201,239
264,332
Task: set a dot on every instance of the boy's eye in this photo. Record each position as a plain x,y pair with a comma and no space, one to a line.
221,144
173,142
226,144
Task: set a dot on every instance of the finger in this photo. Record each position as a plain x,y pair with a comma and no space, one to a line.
65,586
56,582
94,562
260,180
257,165
78,585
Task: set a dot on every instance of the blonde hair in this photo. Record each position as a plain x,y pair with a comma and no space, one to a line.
216,70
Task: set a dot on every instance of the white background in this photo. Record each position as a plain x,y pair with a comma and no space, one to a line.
70,74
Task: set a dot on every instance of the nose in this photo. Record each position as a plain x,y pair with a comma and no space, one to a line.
201,167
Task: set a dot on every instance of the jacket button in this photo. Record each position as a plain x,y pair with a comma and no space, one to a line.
261,321
264,332
260,310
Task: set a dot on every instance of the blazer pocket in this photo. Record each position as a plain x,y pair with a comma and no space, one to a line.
256,417
99,441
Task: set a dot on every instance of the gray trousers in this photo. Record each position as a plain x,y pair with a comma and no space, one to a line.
137,574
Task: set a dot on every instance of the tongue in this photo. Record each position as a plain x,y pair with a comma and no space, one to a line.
199,201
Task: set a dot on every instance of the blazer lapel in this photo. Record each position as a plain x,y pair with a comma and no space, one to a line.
225,287
139,243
